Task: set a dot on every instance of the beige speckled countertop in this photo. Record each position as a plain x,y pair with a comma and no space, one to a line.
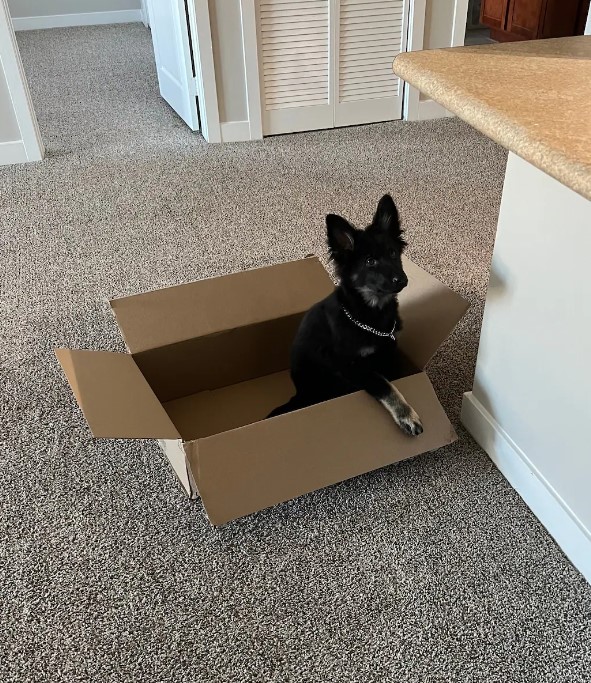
532,97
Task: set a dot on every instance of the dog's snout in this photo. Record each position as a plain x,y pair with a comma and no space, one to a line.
399,282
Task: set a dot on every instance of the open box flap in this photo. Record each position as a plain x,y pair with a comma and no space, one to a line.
254,467
168,316
429,312
116,400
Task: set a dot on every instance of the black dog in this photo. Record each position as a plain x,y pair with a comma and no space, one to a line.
346,342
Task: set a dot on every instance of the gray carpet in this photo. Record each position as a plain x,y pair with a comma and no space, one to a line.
430,570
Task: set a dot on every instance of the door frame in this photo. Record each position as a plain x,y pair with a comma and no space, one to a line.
458,31
207,94
30,146
252,76
411,106
414,41
145,13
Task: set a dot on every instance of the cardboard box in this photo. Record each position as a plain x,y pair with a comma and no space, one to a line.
209,360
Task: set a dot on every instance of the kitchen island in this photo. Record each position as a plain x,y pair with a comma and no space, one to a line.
530,405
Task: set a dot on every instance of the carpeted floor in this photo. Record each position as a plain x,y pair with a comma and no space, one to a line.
430,570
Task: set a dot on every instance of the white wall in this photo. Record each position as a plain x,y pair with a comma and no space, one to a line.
533,373
439,18
9,130
439,24
20,140
42,8
228,55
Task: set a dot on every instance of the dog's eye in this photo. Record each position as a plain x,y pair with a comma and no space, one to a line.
370,261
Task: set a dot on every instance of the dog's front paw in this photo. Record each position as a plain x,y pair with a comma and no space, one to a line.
410,423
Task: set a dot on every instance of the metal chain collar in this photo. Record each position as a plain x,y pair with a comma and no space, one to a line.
368,328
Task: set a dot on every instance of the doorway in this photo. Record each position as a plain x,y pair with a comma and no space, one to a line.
103,76
95,89
477,33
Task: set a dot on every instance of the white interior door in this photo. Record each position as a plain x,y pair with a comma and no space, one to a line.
369,34
170,36
295,70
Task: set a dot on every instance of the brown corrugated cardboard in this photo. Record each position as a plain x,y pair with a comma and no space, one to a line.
198,309
116,400
264,463
429,311
210,359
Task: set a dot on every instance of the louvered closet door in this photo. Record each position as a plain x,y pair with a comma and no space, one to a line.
370,33
294,57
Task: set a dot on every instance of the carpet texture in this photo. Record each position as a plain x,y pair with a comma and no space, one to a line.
429,570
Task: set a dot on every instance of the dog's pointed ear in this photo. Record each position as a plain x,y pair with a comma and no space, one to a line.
340,234
386,217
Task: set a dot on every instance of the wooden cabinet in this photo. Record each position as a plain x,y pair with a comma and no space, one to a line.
530,19
524,17
493,13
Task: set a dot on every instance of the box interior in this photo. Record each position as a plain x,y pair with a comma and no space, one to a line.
210,362
209,385
212,412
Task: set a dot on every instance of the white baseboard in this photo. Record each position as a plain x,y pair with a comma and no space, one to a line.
235,131
13,153
124,16
538,494
429,109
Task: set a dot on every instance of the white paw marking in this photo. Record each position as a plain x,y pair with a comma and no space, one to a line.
411,424
404,416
